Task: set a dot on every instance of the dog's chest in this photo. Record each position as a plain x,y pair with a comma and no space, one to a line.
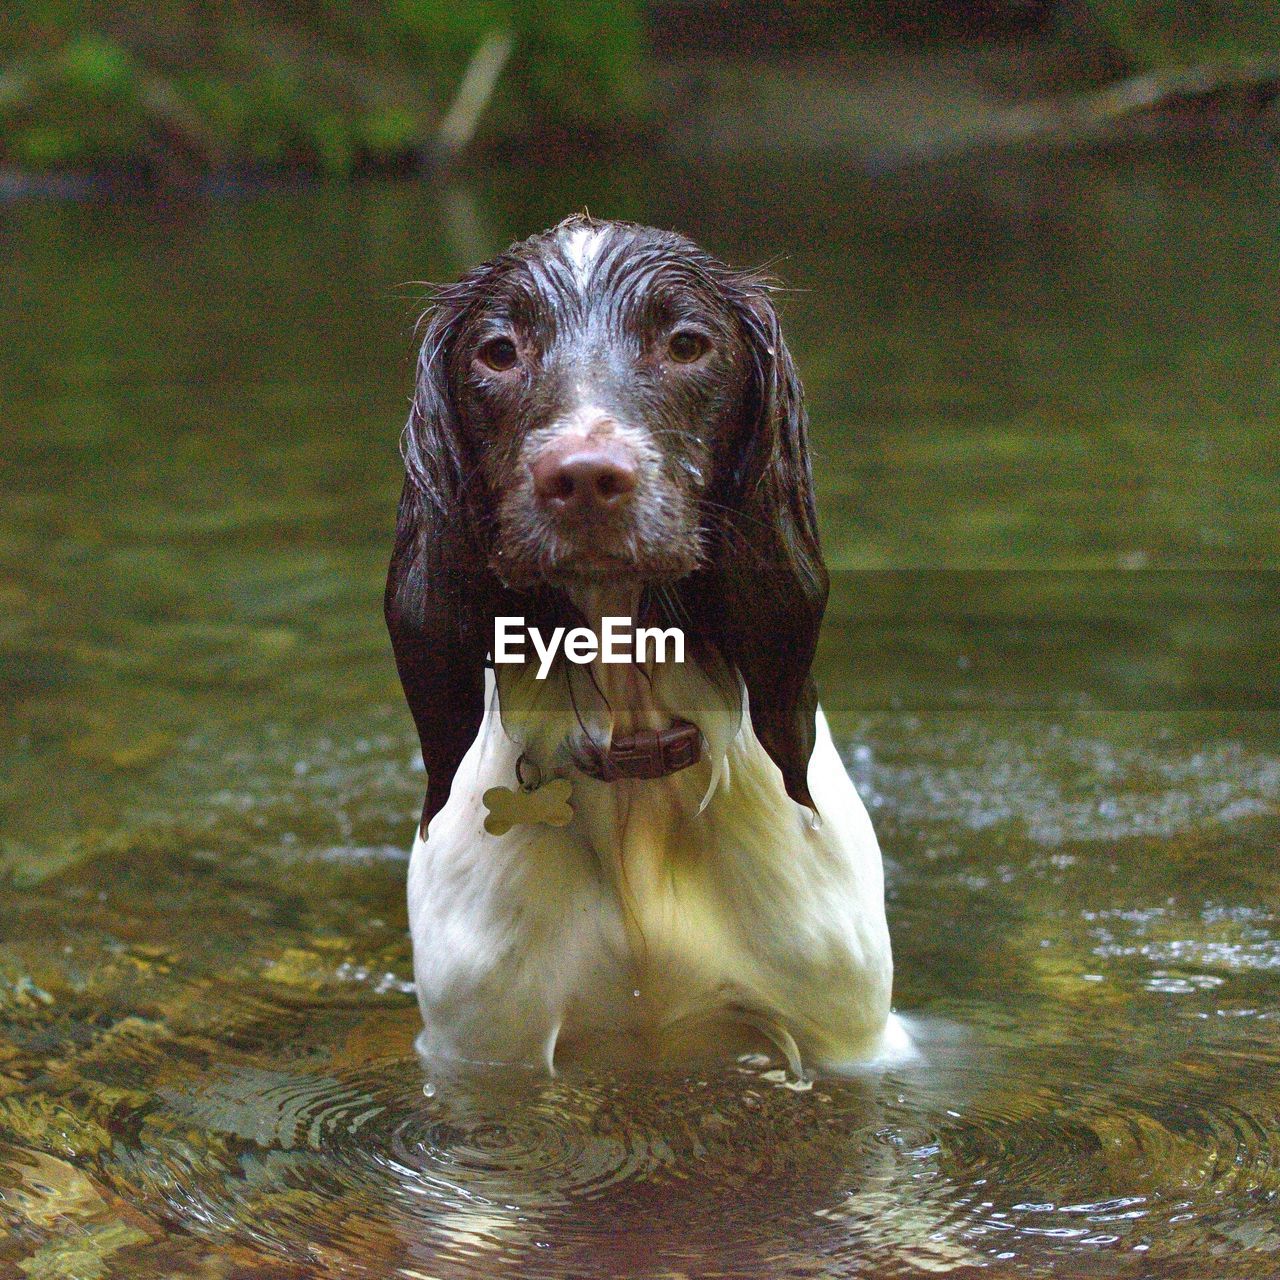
667,910
628,923
666,883
653,859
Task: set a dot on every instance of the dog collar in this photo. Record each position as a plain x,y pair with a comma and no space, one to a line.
648,753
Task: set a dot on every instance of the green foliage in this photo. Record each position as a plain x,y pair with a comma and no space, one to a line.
578,63
1153,33
575,65
83,99
322,84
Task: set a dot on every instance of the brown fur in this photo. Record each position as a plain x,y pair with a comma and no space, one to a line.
721,535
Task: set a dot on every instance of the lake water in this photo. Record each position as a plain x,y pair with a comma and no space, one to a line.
1045,397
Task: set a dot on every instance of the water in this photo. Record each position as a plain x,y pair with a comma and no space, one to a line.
1044,397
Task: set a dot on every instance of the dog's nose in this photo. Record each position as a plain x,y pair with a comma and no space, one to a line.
581,476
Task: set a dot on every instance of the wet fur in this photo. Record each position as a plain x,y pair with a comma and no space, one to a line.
738,562
737,901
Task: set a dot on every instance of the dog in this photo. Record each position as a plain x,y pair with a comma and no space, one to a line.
607,423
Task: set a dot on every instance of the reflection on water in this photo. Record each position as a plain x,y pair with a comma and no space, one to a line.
1044,402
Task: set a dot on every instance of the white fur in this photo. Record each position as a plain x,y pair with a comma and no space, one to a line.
581,246
701,913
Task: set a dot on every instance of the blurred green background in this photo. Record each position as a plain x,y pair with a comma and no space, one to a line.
160,91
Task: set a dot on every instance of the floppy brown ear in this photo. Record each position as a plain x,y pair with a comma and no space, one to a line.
765,591
441,596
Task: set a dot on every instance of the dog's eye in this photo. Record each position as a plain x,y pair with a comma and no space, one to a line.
685,346
499,354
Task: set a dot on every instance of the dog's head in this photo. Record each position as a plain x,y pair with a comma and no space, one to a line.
606,403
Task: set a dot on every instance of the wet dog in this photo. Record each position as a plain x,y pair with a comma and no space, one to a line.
607,423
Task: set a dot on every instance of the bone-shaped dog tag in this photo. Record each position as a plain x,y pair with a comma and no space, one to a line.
548,803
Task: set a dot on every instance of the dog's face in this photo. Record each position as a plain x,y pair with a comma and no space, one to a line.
600,376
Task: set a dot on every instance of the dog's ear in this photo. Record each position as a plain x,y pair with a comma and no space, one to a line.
765,591
441,595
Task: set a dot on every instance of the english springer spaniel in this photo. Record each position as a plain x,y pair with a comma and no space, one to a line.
607,423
